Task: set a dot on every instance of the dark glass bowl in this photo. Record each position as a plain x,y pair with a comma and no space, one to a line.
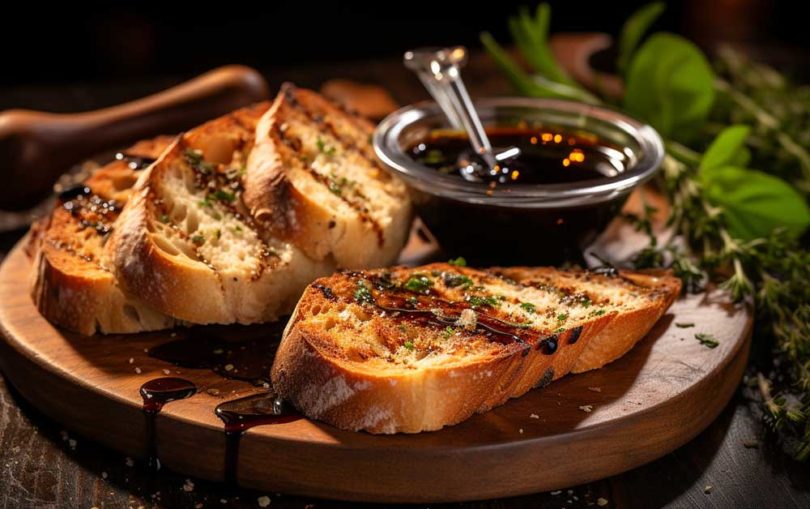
523,224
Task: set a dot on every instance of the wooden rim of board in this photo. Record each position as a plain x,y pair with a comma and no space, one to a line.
653,400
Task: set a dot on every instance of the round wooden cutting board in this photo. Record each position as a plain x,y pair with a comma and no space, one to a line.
580,428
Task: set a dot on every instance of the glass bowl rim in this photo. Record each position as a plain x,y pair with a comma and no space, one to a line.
649,156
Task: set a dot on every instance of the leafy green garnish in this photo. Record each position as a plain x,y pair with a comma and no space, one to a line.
362,294
457,280
531,37
409,345
670,85
727,149
562,317
323,148
448,331
754,203
528,307
198,239
634,29
477,301
707,340
684,325
534,86
195,159
418,283
458,261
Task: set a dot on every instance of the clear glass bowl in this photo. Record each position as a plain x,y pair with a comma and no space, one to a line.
540,223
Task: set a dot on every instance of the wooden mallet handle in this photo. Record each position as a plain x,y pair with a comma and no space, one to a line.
36,147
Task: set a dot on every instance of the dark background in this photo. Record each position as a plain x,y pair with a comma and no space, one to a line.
115,41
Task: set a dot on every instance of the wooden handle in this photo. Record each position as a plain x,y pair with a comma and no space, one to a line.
36,147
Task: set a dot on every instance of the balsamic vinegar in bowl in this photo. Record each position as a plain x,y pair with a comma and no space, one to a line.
546,157
576,167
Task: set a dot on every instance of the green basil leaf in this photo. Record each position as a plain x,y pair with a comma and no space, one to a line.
755,203
670,85
727,149
634,29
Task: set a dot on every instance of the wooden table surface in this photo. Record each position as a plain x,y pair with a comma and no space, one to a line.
42,465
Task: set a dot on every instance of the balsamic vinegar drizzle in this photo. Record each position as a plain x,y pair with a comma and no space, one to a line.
248,361
155,394
406,305
241,414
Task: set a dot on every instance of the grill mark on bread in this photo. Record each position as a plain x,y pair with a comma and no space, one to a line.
360,209
214,179
323,121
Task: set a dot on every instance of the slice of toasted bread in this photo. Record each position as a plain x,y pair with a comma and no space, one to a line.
186,244
313,179
72,284
409,350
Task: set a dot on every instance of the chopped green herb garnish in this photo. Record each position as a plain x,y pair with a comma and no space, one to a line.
453,280
684,325
707,340
419,283
448,331
559,330
597,312
409,345
458,262
198,239
562,317
476,301
204,203
363,293
323,148
195,159
528,307
338,184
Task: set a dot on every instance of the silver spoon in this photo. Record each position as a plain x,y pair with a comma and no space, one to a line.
439,69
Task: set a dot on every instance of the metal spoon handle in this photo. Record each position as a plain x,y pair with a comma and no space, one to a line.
439,70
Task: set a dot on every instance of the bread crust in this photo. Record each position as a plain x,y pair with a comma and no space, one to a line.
325,371
333,391
71,281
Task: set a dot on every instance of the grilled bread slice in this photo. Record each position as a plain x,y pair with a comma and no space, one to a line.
313,179
416,349
186,244
72,284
